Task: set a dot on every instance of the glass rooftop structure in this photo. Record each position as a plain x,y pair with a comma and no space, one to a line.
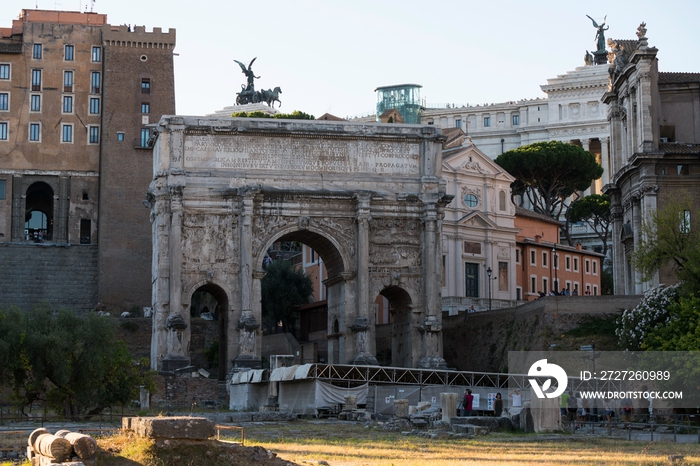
403,97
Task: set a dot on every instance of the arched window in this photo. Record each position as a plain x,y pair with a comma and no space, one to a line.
38,217
502,200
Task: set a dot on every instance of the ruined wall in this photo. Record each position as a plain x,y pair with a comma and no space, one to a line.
482,343
181,392
60,275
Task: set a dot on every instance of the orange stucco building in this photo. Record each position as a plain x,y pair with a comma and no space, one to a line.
544,265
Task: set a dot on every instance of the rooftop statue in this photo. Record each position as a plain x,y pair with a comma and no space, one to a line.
248,72
249,95
600,34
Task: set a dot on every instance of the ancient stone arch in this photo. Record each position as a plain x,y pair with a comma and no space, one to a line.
368,198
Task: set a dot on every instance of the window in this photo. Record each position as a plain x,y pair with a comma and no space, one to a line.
533,258
683,169
503,276
588,266
67,81
67,104
93,134
444,267
533,284
85,226
145,136
458,123
68,53
576,264
595,290
4,101
120,136
595,267
96,54
685,222
470,200
67,133
4,71
145,86
35,132
36,80
516,120
95,82
545,284
567,263
487,122
3,131
36,54
502,200
145,107
35,103
517,255
3,187
94,106
545,256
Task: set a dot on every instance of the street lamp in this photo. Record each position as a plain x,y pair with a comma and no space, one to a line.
489,272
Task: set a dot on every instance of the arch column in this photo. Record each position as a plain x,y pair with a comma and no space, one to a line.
177,336
361,328
247,325
431,327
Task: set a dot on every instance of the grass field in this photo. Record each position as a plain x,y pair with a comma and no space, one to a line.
354,445
341,443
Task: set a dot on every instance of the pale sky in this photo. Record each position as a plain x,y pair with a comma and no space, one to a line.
329,56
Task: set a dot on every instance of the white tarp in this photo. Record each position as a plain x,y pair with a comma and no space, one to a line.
327,394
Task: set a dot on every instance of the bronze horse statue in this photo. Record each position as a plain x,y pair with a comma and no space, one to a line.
271,96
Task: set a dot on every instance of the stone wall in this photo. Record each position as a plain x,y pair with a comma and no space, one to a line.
174,391
482,343
64,276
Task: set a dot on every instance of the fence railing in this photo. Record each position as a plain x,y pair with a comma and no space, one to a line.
638,431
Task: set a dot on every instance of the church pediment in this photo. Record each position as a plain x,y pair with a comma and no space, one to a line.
471,161
476,219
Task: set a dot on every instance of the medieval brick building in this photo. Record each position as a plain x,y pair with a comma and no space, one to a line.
77,96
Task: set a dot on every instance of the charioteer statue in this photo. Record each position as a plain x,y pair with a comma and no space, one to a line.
249,95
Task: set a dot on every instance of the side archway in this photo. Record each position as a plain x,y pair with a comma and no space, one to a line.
397,346
209,305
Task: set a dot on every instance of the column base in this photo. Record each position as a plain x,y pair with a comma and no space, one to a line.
364,359
247,361
173,363
428,362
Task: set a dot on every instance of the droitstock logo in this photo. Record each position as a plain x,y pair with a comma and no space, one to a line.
543,369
